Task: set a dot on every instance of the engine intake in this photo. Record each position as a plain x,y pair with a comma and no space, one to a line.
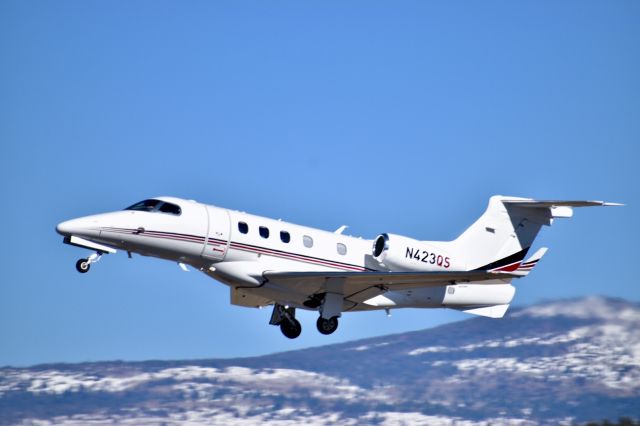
380,245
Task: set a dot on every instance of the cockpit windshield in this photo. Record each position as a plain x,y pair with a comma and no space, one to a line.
152,205
145,206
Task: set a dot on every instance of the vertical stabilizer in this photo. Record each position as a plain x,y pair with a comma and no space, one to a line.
500,239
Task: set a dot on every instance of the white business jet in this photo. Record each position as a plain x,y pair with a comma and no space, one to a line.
272,262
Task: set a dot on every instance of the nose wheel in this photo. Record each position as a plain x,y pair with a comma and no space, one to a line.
83,265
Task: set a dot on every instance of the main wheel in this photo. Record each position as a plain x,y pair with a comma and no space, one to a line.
327,326
83,265
291,329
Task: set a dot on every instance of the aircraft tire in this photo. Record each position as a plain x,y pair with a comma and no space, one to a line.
83,265
291,329
327,326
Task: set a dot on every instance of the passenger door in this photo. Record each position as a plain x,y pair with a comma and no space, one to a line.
217,242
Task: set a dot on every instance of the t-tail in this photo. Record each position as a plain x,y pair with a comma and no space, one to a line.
501,238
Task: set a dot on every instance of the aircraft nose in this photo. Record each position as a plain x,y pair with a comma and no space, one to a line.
66,228
83,226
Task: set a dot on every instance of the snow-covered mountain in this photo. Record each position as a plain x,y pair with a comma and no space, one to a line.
561,362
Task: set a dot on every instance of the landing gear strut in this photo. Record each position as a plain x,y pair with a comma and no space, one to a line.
330,311
83,265
327,326
285,317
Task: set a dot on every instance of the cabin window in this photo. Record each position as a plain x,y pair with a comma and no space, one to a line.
307,241
285,237
170,208
243,227
264,232
342,249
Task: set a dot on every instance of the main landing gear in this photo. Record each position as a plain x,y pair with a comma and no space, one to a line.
285,317
330,310
327,326
291,328
83,265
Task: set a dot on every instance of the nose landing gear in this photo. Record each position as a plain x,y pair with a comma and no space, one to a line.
83,265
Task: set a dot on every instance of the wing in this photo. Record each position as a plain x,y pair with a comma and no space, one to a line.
360,286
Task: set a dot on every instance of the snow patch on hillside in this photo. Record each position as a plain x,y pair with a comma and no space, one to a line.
190,379
507,342
610,357
593,307
282,417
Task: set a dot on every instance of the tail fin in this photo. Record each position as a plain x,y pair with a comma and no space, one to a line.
500,239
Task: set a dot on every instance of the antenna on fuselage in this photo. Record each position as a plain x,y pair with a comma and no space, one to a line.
341,229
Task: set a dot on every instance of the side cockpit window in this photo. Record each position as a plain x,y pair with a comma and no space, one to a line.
152,205
170,208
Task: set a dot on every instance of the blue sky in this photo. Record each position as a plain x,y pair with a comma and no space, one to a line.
400,117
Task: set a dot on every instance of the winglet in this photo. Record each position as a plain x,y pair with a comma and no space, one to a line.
528,265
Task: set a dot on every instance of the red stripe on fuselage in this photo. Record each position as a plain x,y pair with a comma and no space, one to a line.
508,268
241,246
295,256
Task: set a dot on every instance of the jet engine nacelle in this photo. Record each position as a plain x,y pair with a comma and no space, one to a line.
400,253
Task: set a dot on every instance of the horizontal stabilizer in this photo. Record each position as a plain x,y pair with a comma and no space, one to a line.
558,203
495,311
544,211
